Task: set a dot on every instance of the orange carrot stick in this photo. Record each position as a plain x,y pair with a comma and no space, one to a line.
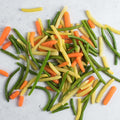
79,91
55,81
20,101
39,31
109,95
79,61
76,33
4,35
14,95
2,72
88,40
68,41
75,54
49,70
60,26
6,45
74,63
32,35
62,36
91,24
63,64
49,43
49,88
23,85
67,19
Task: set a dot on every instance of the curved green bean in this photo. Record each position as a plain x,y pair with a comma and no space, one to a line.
20,36
72,106
7,82
10,54
114,45
70,51
60,109
17,82
83,109
92,52
92,65
40,72
70,28
49,96
14,43
108,43
23,66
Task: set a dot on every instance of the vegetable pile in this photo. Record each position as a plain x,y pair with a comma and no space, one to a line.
67,65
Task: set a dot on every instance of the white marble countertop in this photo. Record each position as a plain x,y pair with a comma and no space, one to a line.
105,11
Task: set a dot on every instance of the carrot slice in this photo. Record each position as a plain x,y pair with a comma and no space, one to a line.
74,63
49,70
23,85
109,95
32,35
79,61
39,31
49,88
6,45
2,72
75,54
63,64
14,95
67,19
60,26
20,101
4,35
91,24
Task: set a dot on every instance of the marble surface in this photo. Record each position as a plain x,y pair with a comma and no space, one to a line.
105,11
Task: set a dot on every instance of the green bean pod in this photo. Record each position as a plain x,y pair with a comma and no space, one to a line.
72,106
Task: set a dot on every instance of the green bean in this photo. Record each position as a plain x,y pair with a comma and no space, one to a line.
60,109
49,96
72,106
26,72
97,65
52,86
20,36
57,57
70,51
74,42
23,66
91,30
48,24
67,45
78,38
92,65
17,82
39,61
46,73
46,33
55,18
53,101
10,54
88,96
93,53
83,109
15,45
109,45
30,52
40,72
63,80
87,48
87,69
114,45
70,28
89,33
7,82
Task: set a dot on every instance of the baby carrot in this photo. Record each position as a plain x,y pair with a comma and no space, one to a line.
49,70
32,35
67,19
60,26
20,101
88,40
79,61
75,55
63,64
6,45
49,88
14,95
49,43
2,72
109,95
23,85
39,31
91,24
76,33
74,63
4,35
